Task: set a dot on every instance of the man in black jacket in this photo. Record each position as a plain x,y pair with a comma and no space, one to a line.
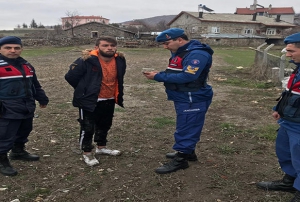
19,90
97,79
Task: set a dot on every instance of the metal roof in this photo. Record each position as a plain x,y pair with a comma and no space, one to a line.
234,18
232,36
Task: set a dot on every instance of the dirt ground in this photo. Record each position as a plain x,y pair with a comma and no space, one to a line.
232,156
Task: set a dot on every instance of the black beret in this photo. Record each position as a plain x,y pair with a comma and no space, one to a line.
10,40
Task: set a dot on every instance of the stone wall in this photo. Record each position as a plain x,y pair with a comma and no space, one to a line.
93,30
122,43
58,42
232,42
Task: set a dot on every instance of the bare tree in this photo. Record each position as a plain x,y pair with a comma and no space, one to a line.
145,27
72,20
58,29
161,25
297,19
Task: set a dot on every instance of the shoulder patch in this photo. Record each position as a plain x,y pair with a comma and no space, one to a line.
191,70
195,62
73,65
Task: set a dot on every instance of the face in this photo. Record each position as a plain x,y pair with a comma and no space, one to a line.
107,49
172,45
293,52
11,51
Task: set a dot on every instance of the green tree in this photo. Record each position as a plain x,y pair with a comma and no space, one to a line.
33,24
115,24
41,26
24,25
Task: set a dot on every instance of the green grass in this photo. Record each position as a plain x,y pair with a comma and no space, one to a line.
244,57
267,132
28,52
229,130
161,122
119,109
37,192
226,149
236,56
235,81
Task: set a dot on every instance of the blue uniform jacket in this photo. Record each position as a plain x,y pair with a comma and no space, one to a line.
198,59
289,105
19,89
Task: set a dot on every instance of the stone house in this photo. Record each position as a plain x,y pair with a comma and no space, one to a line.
96,29
231,29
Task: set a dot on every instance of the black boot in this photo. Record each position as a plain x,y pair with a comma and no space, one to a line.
296,197
286,184
177,163
190,157
5,167
18,153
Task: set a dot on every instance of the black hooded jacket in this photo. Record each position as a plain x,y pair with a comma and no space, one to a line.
85,76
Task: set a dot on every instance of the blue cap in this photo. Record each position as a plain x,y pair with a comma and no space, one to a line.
10,40
294,38
169,34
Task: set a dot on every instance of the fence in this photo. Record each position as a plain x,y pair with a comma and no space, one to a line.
271,66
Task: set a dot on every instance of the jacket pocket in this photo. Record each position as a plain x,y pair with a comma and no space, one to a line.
1,108
79,93
291,108
14,89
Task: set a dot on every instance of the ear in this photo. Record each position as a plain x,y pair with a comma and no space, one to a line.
180,40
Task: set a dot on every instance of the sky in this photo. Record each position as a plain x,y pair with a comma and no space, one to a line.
14,13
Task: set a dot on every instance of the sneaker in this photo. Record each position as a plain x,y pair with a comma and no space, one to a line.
106,151
90,159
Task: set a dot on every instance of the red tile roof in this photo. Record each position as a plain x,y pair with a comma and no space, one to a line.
272,11
84,17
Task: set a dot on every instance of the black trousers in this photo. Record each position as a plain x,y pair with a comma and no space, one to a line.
14,131
96,123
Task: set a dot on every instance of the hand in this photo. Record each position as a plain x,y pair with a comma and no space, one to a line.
150,75
43,106
275,115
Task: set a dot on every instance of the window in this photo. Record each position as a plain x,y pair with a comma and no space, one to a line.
94,34
215,30
248,31
271,31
